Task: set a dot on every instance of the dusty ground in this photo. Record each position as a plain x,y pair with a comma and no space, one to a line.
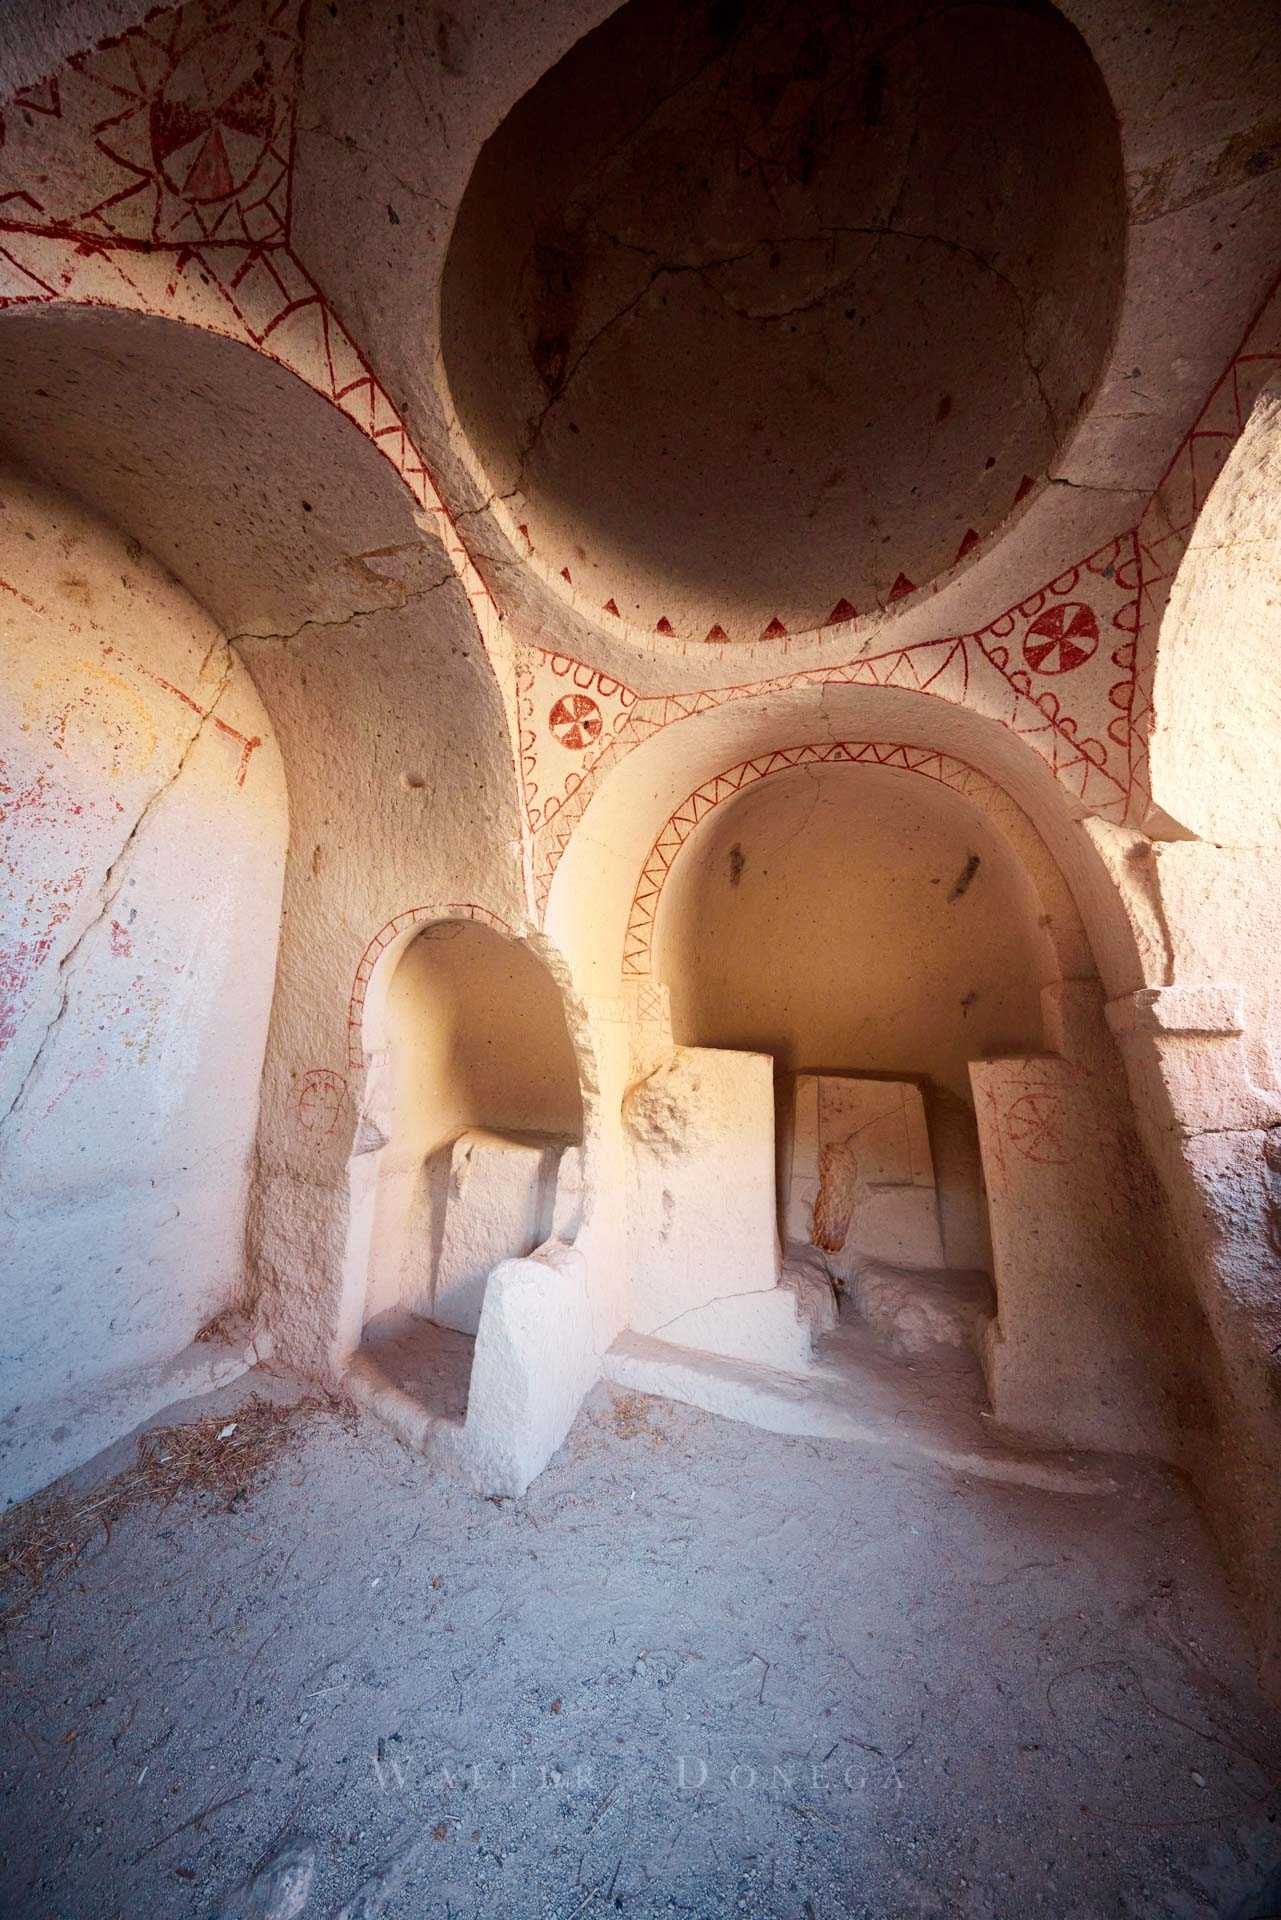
699,1669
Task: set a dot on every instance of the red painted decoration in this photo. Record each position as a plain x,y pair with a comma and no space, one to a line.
1061,638
902,586
575,721
1038,1125
841,612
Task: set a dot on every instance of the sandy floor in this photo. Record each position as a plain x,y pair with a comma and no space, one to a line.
699,1669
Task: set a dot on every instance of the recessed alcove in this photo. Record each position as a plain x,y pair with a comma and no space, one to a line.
860,921
484,1084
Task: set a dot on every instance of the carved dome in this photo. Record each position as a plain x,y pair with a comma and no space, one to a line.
760,313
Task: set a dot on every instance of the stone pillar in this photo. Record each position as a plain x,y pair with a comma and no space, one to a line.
1073,1355
1212,1136
1184,1052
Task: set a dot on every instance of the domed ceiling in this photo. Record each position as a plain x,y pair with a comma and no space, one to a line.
758,317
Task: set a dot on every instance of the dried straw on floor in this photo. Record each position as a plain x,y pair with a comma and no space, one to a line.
221,1457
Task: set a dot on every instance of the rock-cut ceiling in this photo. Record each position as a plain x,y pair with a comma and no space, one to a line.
757,315
725,347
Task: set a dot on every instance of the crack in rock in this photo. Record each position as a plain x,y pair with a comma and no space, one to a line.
108,892
703,269
409,598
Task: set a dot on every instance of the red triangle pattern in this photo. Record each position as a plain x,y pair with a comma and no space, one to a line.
704,799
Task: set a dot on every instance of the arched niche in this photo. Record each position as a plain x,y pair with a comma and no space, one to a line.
861,917
854,915
1216,693
143,839
470,1146
1071,1208
273,507
592,898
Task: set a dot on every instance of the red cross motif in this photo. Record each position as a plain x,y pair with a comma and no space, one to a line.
1037,1125
211,130
1061,638
575,721
321,1098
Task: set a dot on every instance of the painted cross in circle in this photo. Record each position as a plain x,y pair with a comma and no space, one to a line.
575,721
1037,1125
321,1099
1061,638
211,127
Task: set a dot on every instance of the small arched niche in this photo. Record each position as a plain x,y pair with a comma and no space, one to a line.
480,1103
873,931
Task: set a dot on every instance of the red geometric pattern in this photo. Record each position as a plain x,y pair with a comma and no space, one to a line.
1040,1127
319,1101
178,132
400,923
563,705
972,670
575,721
940,767
889,593
1061,639
1086,747
1170,515
91,211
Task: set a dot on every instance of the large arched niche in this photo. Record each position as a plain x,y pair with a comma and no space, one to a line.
262,497
854,916
1216,695
591,898
478,1117
284,520
868,911
143,841
735,347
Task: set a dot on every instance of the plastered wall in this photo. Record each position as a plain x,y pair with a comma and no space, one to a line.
143,819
